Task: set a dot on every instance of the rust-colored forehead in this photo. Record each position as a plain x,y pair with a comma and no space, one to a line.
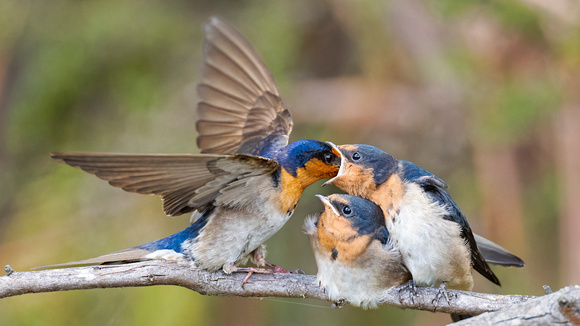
347,147
339,199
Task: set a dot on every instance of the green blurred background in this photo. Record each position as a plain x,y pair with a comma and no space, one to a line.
486,94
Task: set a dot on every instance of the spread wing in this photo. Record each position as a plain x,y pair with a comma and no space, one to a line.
240,108
435,189
185,182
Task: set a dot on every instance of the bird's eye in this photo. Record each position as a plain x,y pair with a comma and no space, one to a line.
356,156
327,158
346,210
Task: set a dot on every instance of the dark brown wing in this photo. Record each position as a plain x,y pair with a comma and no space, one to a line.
434,187
496,254
185,182
240,104
438,193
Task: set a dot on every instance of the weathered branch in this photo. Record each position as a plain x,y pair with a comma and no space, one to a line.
276,285
562,307
558,308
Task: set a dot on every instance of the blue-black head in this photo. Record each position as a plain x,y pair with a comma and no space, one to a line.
368,157
309,159
364,216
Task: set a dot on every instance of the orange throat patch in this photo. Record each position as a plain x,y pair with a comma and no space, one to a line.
315,170
356,180
293,187
339,240
389,195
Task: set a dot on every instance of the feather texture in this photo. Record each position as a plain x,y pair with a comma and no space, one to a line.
434,236
355,258
185,182
240,103
126,255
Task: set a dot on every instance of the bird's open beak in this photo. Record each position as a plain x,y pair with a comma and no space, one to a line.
327,204
342,164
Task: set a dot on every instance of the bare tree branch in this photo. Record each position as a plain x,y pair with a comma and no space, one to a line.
274,285
561,308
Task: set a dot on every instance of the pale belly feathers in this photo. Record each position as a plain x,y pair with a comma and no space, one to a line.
432,247
238,231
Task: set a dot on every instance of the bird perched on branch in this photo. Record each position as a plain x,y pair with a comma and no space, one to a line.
248,179
435,240
356,259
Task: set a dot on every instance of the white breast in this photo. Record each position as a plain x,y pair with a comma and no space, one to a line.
361,282
353,283
432,247
233,233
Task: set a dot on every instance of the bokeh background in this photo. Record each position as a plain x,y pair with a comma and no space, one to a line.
486,94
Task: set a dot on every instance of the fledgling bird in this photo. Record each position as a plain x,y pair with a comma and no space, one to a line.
245,185
356,259
435,240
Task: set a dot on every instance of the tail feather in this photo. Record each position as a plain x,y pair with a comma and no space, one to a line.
496,254
121,256
168,248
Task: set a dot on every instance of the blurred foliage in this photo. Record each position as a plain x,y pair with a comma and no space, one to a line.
446,84
510,112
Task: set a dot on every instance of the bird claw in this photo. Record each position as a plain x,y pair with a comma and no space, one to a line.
275,269
251,271
278,269
410,290
441,293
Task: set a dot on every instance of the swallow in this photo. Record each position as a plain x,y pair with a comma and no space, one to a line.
434,237
356,259
248,179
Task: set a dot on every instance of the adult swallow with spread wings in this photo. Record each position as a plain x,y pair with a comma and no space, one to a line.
246,183
435,240
356,259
